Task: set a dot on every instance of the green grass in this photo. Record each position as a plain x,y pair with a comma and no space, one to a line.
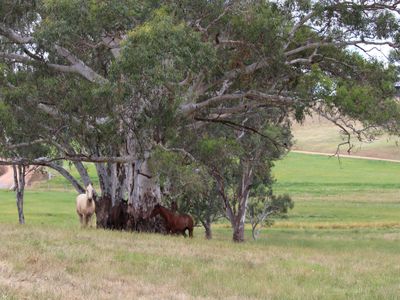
59,183
341,241
285,264
323,175
51,208
352,193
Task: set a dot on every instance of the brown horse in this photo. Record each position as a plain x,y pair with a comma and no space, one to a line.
175,223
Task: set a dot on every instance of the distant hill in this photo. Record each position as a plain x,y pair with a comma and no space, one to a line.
319,135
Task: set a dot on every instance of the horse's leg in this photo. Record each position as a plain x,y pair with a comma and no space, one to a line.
85,220
80,219
89,219
190,232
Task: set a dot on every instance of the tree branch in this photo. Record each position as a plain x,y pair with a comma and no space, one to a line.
190,108
13,36
70,157
297,26
78,187
77,66
80,67
17,57
341,43
183,151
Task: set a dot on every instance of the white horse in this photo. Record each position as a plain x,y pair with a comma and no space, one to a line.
85,206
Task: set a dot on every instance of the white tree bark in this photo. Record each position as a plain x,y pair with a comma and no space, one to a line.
146,190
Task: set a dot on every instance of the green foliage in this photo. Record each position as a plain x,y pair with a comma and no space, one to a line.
64,21
162,51
260,25
188,184
386,25
263,210
18,13
11,132
263,206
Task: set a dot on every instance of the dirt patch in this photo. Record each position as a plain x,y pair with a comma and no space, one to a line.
38,175
3,170
7,178
346,156
33,175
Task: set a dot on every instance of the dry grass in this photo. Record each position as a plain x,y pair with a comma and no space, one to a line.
341,225
319,135
55,263
64,264
373,196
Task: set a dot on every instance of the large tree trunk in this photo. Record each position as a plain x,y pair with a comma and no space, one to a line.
144,195
105,200
115,183
146,190
19,185
240,218
132,182
238,230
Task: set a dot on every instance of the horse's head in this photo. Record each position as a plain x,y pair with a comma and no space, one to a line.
156,210
89,192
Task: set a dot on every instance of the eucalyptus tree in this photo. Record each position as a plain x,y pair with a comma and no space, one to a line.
111,80
242,158
264,206
186,183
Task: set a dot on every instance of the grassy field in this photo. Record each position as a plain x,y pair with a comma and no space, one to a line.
341,241
319,135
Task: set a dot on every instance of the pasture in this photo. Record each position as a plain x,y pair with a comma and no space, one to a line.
341,241
319,135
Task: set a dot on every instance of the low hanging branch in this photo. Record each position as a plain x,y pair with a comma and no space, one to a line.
179,150
72,157
78,187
